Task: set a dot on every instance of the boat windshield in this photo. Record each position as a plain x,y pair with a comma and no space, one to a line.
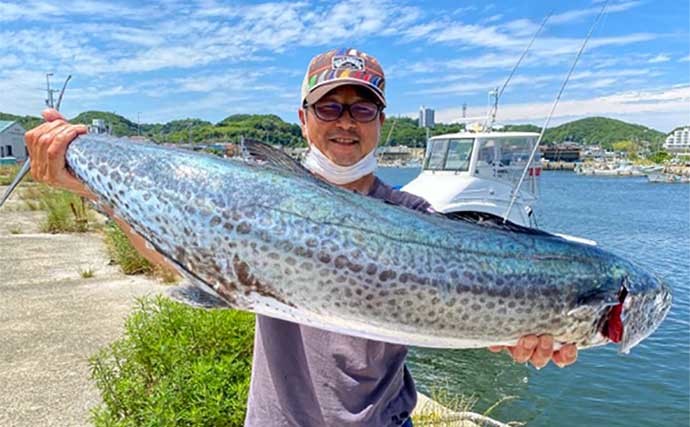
451,154
506,157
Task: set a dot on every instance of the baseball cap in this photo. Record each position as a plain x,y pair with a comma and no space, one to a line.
339,67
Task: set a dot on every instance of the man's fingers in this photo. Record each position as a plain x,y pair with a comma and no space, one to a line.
543,352
37,142
51,114
496,348
31,137
565,356
524,349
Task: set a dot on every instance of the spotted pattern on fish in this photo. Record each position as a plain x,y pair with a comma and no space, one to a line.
289,246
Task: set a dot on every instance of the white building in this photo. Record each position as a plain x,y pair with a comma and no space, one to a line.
12,140
98,126
678,141
426,117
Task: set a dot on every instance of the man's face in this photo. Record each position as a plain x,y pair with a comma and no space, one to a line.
344,141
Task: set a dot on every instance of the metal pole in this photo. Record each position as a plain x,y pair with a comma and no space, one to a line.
49,100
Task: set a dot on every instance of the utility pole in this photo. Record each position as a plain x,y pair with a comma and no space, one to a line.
139,123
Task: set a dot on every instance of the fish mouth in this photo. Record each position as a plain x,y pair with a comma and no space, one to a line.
640,314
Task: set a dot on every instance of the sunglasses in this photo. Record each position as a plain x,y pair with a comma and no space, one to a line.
362,111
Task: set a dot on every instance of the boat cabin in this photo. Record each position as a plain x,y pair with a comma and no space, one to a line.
478,172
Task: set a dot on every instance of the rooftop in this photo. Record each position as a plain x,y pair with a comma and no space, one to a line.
4,124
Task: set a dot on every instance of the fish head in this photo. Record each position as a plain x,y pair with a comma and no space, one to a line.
645,303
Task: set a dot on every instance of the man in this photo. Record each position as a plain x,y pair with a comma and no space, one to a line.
302,376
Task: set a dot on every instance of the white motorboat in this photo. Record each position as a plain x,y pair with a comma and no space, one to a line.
475,176
466,174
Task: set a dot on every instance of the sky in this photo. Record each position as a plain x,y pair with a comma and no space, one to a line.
160,61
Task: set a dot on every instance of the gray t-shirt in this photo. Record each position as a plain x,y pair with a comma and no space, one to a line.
308,377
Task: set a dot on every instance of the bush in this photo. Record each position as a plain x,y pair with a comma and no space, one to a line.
175,366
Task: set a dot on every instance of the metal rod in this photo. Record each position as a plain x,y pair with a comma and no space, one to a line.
62,92
553,109
492,115
26,167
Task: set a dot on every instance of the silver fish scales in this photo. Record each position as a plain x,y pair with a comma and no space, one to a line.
273,240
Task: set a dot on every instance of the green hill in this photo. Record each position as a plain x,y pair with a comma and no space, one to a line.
119,125
27,122
271,128
604,132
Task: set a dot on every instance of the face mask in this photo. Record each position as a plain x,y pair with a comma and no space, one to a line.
321,165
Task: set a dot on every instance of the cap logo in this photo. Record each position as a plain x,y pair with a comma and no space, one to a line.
348,62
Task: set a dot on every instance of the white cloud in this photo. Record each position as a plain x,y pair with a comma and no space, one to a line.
671,101
576,14
685,59
659,58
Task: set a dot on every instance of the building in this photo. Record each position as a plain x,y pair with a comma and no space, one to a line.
561,152
12,140
398,154
678,141
426,117
98,126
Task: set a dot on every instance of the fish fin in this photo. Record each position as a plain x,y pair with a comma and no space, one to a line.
493,221
196,296
593,301
275,158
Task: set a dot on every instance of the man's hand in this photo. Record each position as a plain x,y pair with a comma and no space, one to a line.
538,350
47,145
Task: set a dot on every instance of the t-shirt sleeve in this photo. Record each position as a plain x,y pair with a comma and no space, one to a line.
401,198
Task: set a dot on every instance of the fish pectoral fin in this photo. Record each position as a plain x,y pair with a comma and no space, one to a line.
591,305
196,296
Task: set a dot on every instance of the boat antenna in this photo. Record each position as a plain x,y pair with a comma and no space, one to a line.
26,167
491,118
390,132
553,109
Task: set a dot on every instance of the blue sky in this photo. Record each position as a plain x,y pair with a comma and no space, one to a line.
208,59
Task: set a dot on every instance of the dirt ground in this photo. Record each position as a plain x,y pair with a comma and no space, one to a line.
52,320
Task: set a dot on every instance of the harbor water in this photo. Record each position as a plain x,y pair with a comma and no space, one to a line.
646,223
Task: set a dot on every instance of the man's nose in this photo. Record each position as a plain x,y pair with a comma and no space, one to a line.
345,120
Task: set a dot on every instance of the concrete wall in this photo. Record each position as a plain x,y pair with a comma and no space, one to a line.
12,142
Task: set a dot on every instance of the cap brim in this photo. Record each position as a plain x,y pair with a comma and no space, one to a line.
320,90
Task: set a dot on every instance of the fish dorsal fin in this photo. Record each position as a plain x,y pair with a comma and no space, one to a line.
266,155
489,220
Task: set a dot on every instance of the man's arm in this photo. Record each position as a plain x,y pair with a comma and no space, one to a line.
47,145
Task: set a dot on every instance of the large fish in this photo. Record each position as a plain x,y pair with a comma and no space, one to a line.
268,237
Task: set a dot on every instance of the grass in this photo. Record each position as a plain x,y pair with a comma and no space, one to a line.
123,253
454,403
130,261
15,229
87,273
175,366
66,212
8,172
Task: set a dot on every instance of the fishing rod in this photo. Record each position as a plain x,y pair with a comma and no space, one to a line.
26,167
553,109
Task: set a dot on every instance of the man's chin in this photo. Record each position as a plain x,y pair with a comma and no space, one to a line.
344,155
